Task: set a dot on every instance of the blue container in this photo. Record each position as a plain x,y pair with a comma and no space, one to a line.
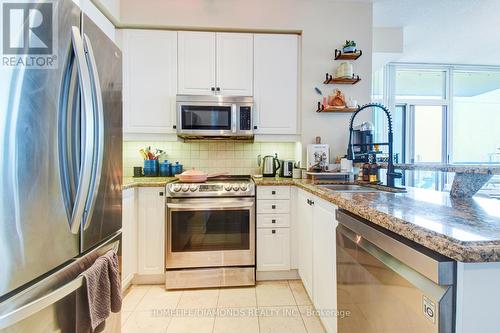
165,169
175,169
151,168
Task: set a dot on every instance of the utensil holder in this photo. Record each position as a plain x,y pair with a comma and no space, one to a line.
151,168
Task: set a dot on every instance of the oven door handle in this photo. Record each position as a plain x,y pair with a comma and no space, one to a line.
205,206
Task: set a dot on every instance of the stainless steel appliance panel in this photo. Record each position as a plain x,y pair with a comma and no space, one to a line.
211,232
384,294
35,235
103,207
54,304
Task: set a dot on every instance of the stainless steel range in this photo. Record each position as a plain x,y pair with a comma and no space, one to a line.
210,238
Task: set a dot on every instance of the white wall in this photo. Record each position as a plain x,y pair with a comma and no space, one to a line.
325,24
444,31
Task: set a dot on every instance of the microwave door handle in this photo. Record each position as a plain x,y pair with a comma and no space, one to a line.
233,109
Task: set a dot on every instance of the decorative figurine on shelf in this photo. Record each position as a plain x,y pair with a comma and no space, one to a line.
349,46
336,100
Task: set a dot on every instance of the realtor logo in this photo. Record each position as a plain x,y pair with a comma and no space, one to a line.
28,34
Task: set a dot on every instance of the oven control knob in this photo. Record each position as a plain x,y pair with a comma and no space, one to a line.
236,187
185,188
243,187
193,188
176,187
228,187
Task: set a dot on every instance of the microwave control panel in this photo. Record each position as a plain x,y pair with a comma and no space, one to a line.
245,118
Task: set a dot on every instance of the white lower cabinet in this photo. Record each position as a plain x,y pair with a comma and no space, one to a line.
151,230
273,229
317,257
274,249
129,236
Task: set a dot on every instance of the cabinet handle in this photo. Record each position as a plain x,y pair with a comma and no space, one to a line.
174,127
213,88
312,203
273,192
218,88
273,231
273,206
161,194
255,127
273,221
308,201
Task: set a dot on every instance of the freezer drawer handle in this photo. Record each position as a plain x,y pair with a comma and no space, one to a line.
39,304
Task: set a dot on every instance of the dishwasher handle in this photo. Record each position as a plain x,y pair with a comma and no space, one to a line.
437,268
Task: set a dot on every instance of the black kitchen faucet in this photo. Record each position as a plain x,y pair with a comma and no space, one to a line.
391,174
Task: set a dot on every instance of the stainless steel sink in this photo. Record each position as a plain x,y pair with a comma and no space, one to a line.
348,188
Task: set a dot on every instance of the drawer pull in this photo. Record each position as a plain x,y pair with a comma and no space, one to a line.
273,221
273,231
273,192
273,206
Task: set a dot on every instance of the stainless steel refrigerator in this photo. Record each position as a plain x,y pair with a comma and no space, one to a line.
60,176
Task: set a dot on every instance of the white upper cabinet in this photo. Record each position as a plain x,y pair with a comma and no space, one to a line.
149,81
276,87
215,63
235,64
196,63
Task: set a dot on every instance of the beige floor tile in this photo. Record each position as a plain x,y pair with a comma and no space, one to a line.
274,293
299,292
284,319
124,316
144,321
311,321
199,299
237,298
133,297
240,324
157,298
191,325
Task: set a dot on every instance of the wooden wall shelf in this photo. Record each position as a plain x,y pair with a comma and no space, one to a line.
330,80
347,56
321,109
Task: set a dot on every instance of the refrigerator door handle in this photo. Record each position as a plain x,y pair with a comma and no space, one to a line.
98,135
87,130
39,304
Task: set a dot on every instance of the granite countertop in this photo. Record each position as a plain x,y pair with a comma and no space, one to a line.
458,168
130,182
467,230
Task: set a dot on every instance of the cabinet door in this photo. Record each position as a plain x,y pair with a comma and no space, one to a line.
196,56
305,222
150,81
276,75
151,222
235,64
273,249
129,236
324,260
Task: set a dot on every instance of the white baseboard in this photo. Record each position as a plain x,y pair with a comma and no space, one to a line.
149,279
292,274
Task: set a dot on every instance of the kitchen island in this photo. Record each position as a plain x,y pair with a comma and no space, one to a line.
466,230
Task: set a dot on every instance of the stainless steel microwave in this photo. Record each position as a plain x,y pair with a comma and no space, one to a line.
222,117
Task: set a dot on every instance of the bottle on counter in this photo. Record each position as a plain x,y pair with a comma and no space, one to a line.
374,171
366,171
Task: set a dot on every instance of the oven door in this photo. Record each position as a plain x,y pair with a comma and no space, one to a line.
216,232
207,119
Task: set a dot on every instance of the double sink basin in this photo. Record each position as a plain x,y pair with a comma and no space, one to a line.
348,188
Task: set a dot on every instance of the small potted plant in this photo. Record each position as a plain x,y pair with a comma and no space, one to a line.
349,46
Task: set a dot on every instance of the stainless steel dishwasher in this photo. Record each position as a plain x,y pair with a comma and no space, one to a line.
386,283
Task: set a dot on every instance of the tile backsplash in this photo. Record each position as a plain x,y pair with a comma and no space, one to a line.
211,156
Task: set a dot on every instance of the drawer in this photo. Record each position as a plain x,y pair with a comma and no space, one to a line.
273,206
273,220
273,192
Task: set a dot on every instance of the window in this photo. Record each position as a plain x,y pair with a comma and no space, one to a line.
441,114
